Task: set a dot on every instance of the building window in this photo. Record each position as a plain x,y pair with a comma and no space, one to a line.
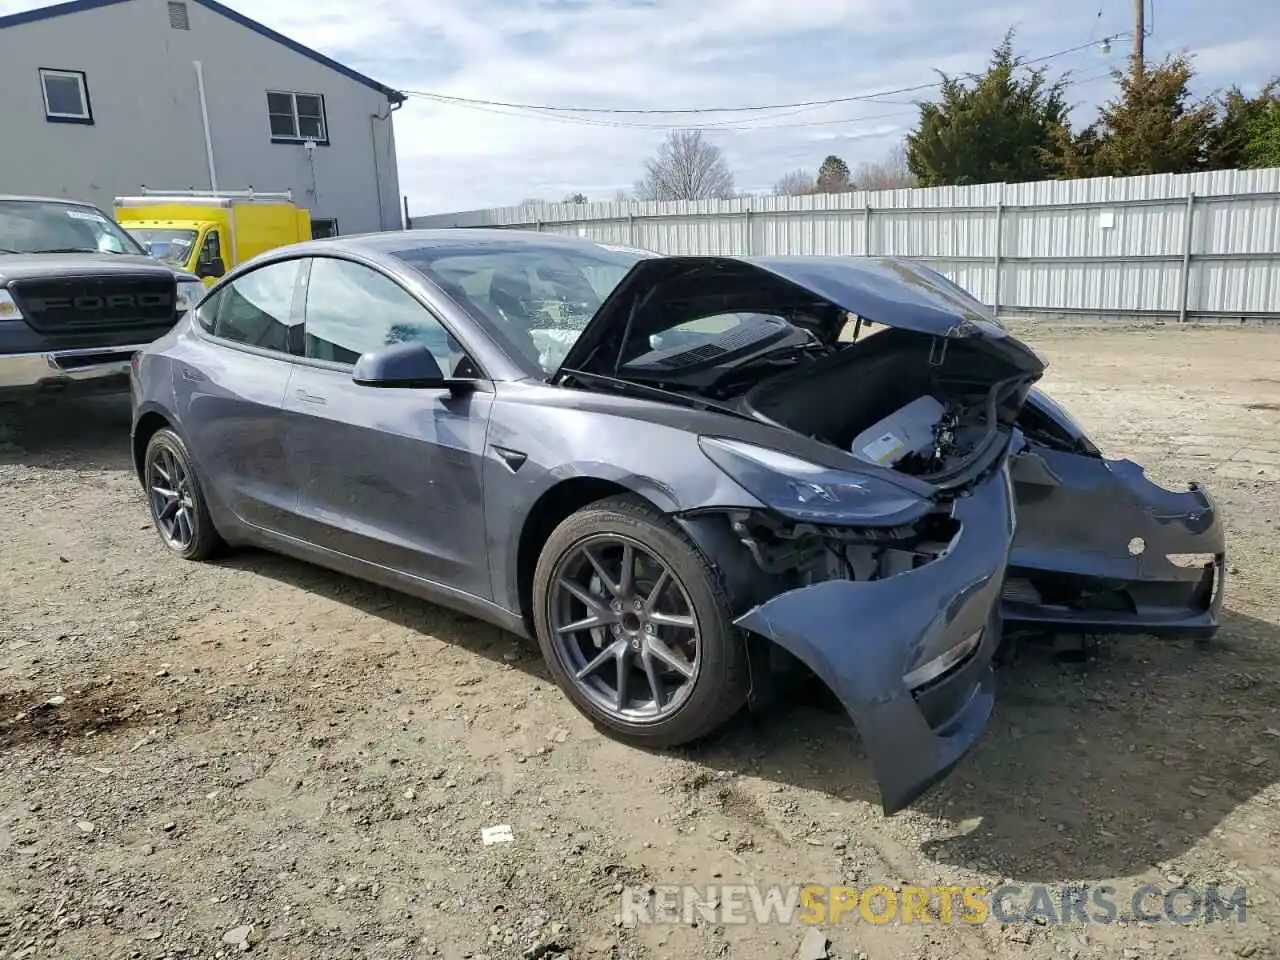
323,227
296,117
66,96
179,19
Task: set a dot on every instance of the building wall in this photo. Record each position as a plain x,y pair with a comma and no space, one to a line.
1194,246
147,127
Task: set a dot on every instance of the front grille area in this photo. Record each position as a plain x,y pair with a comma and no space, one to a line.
105,304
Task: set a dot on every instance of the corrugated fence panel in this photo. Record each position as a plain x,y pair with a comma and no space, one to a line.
1186,245
1241,225
1234,287
1095,287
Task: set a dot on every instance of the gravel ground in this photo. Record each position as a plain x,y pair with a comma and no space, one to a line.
257,755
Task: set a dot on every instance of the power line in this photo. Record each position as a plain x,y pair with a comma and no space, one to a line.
801,104
718,126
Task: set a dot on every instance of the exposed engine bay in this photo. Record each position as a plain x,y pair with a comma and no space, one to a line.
936,397
921,404
925,405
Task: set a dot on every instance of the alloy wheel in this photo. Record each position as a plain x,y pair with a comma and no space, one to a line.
624,627
169,488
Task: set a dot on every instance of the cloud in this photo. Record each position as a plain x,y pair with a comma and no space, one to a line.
640,54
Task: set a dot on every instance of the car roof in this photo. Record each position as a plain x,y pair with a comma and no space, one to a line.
391,241
12,197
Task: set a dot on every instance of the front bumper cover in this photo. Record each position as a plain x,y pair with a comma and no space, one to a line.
862,637
33,371
1101,548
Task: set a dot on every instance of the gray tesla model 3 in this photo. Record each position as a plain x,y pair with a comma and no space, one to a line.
682,475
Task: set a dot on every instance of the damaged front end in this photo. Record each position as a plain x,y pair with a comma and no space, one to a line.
877,545
902,628
1100,547
891,598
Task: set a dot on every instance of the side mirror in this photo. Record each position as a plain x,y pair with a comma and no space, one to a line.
210,269
403,365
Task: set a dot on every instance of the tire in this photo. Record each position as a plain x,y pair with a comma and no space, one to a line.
718,688
163,450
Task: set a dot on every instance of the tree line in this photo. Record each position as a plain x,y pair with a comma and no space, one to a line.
1012,123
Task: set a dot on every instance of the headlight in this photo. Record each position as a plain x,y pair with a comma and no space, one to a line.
932,669
8,309
808,492
189,294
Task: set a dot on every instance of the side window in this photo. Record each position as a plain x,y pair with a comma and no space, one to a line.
210,263
352,310
212,249
257,308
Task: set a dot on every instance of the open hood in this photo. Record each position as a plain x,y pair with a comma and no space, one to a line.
660,293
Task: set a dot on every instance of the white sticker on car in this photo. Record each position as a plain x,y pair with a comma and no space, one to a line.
86,215
884,449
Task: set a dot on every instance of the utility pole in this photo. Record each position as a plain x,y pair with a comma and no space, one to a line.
1139,32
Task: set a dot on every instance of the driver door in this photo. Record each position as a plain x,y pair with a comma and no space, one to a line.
388,476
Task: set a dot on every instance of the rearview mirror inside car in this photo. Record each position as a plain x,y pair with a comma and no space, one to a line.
403,365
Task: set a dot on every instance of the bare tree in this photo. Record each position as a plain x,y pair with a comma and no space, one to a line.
620,196
891,173
686,167
578,197
797,183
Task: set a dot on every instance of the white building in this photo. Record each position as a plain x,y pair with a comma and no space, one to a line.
100,98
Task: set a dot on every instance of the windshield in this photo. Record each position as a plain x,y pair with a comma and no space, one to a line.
167,244
46,226
539,298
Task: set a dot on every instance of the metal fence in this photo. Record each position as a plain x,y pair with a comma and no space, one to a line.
1202,246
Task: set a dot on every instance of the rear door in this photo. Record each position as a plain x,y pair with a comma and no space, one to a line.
230,393
392,477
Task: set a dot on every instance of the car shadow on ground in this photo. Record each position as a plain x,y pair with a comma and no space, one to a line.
420,616
1089,770
55,432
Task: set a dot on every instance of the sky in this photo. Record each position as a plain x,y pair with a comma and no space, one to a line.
688,54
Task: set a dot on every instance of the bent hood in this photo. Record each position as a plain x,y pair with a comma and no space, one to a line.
663,292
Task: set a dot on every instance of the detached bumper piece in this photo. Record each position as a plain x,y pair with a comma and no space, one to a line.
1100,548
938,624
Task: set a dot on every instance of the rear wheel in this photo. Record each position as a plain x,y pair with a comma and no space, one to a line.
635,626
177,504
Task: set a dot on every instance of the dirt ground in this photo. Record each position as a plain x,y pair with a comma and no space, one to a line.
188,751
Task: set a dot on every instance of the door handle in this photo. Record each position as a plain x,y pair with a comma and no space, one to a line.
306,397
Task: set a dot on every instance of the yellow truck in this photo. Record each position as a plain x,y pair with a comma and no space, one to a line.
208,232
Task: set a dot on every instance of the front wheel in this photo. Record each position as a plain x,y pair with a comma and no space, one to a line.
635,626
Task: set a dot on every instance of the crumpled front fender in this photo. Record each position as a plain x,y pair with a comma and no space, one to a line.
862,638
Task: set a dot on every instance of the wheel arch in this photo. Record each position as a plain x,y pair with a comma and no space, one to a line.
148,425
553,507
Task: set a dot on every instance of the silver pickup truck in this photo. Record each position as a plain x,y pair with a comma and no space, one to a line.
78,296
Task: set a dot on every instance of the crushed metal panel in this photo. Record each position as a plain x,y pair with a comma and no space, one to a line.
861,638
